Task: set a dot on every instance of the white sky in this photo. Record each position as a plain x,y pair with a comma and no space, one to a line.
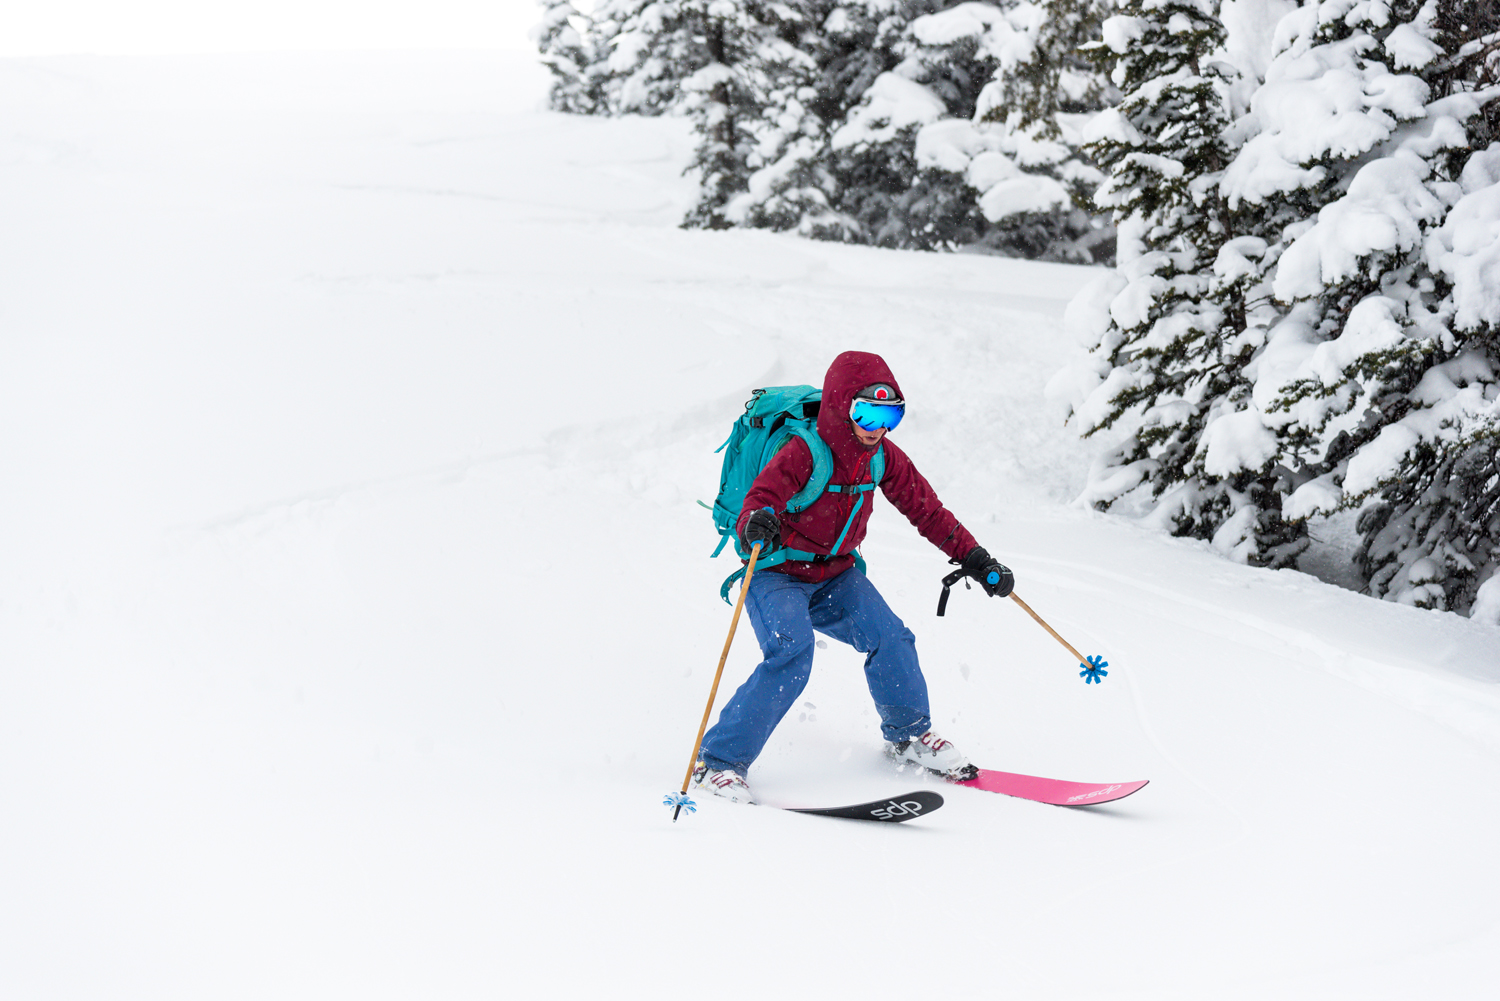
50,27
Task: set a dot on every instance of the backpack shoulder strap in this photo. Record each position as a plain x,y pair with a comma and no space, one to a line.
816,485
822,472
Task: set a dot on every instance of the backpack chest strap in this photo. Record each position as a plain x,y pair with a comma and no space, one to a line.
859,503
877,471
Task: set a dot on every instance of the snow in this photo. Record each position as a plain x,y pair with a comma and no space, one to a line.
1235,442
1008,35
951,143
1409,48
959,145
1111,124
966,20
987,169
1376,460
1250,26
1022,194
356,615
1373,326
1316,496
1317,102
1468,244
629,46
1487,602
1122,31
705,78
891,104
1234,260
1087,317
762,184
1132,307
1384,209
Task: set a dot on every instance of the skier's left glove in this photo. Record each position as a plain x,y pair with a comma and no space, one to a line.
992,575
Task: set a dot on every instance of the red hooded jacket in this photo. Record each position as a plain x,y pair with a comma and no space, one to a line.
817,527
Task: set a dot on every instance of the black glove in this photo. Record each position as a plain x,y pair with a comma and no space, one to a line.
992,575
762,527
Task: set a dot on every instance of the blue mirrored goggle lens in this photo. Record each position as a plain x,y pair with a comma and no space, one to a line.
873,416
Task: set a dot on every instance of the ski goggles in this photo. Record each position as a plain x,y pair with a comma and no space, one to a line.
872,415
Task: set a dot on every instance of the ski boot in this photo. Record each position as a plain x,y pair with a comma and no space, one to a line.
730,785
933,753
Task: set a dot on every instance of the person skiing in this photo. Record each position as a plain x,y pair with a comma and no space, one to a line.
787,602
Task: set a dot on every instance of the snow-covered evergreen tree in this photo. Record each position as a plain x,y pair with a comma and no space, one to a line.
1381,379
645,49
1043,94
791,186
898,197
809,114
567,54
965,168
1172,348
1331,105
832,54
724,97
1055,76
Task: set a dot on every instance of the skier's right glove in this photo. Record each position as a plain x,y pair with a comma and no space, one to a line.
992,575
762,526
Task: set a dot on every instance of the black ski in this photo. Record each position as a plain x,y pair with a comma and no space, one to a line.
894,810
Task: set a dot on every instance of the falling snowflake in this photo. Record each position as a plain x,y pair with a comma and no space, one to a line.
1094,670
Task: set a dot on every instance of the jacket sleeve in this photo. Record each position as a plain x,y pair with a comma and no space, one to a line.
786,473
913,496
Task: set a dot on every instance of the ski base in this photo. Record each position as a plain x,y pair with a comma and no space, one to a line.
1055,792
895,810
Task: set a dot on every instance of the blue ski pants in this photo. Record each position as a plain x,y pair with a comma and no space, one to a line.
785,612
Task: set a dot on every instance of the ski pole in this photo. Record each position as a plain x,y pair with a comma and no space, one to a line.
1041,622
714,691
1093,667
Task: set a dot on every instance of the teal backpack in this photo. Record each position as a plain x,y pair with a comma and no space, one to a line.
772,417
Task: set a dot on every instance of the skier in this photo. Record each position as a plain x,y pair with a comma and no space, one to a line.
861,402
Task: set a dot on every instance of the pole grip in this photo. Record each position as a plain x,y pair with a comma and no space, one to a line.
948,582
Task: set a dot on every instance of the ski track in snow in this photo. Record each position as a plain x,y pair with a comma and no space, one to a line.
355,613
1457,702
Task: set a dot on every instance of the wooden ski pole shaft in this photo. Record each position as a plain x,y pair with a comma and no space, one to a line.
714,691
1017,597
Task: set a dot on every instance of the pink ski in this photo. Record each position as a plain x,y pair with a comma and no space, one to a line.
1053,791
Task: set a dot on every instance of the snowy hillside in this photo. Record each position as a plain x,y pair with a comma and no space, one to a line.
355,608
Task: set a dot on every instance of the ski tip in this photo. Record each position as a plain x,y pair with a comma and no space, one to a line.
1111,794
892,810
1054,792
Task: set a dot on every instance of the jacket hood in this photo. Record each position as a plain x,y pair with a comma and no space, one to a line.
849,373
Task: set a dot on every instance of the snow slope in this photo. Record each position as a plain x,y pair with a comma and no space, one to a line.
355,613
